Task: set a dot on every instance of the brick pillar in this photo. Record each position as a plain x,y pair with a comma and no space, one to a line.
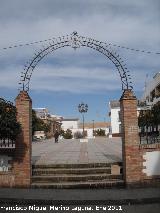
22,164
130,138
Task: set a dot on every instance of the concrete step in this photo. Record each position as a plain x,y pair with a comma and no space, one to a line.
92,175
51,171
75,178
84,165
75,185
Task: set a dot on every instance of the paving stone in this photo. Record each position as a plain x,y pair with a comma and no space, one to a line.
72,151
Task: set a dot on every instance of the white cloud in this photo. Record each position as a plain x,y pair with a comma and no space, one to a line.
71,79
121,22
129,23
75,85
10,76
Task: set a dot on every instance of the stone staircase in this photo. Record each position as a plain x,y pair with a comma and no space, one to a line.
67,176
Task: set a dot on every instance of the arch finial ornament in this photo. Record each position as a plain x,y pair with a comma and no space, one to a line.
76,41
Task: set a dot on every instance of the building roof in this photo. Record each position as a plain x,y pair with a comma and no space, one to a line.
114,104
42,112
40,108
57,117
70,119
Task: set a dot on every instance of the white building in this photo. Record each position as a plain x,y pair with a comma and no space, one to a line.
152,90
70,123
115,130
91,127
75,126
42,113
53,120
114,114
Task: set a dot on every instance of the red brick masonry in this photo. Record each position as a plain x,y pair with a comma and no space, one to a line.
22,164
130,138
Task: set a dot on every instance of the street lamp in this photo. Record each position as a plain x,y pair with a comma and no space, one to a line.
83,108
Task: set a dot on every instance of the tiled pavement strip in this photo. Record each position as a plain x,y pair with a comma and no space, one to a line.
72,151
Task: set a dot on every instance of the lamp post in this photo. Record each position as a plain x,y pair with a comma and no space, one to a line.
83,108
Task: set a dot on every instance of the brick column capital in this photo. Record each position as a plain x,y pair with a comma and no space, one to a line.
23,95
128,95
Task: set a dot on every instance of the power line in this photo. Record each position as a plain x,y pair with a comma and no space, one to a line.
26,44
114,45
132,49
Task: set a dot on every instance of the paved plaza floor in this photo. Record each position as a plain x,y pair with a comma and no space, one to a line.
72,151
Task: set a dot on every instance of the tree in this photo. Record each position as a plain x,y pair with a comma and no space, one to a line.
9,127
100,132
145,118
156,114
38,124
149,119
78,135
67,134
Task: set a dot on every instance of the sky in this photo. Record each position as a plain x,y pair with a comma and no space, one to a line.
65,78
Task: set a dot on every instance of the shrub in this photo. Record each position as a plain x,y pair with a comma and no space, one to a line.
67,134
38,124
9,127
78,135
99,132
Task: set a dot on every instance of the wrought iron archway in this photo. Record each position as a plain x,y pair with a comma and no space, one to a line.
76,41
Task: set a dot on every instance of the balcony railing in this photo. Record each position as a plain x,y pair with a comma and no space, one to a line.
149,137
7,143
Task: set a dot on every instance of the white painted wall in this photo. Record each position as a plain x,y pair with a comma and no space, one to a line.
89,131
4,165
152,163
71,124
115,120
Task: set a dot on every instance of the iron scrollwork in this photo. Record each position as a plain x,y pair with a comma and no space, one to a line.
76,41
